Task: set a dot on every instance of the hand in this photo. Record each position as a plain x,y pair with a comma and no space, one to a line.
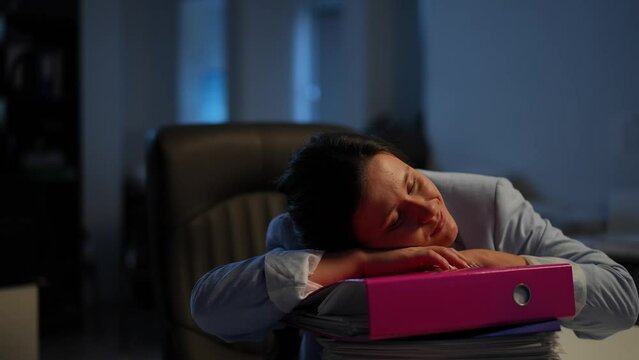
484,257
356,263
409,259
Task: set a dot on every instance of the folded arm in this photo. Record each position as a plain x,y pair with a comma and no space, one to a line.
605,293
245,300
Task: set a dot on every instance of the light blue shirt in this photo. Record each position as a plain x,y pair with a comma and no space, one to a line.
247,299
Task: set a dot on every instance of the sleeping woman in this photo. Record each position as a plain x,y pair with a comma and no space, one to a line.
356,209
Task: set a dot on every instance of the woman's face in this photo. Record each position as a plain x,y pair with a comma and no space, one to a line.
400,207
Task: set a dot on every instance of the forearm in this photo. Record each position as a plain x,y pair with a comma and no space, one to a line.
338,266
605,296
611,302
232,302
357,263
484,257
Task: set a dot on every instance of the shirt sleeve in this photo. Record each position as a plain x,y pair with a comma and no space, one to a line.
288,264
232,303
287,273
578,278
605,294
245,300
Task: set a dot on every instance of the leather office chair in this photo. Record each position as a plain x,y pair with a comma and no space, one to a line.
211,196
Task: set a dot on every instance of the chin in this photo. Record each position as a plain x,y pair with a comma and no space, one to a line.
454,231
451,236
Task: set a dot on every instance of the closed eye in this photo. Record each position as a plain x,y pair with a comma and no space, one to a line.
397,222
411,186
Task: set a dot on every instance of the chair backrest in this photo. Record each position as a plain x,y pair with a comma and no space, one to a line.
211,194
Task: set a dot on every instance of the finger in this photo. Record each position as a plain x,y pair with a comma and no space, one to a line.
474,257
432,259
459,260
470,260
454,258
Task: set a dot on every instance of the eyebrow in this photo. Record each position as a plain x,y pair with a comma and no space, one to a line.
390,211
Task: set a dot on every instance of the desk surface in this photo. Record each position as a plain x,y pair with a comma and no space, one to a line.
623,345
19,322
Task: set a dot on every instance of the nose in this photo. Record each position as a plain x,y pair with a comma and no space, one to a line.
424,211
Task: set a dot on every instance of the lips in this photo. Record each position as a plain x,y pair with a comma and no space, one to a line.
440,224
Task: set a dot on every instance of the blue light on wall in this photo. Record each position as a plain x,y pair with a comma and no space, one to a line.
212,102
201,62
302,67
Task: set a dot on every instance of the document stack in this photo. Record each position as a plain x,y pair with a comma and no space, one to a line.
478,313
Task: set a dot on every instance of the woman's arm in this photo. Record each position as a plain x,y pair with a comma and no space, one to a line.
243,301
605,293
485,257
231,302
358,263
246,299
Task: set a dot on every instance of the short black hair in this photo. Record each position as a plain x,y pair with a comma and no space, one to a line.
323,186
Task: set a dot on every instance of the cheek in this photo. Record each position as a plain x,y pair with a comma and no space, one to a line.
416,236
451,219
428,189
452,228
400,238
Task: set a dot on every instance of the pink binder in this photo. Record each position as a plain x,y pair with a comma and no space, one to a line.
436,302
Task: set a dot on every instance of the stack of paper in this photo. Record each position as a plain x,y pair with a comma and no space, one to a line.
536,341
460,310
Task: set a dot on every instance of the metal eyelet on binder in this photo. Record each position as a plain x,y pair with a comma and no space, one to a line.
521,294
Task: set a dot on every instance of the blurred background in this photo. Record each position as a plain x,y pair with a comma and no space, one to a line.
545,93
